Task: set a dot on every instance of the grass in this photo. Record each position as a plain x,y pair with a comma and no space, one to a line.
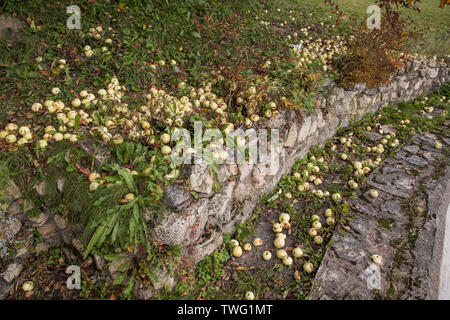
432,22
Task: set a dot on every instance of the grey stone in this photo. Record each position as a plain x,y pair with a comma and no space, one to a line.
60,222
12,271
119,266
175,196
427,138
22,252
99,262
47,230
371,277
348,96
360,225
15,209
146,293
391,206
164,279
373,136
100,152
411,149
389,129
42,247
415,65
5,288
245,171
384,178
9,227
390,169
11,191
349,249
400,155
405,182
66,236
304,130
40,188
417,161
292,137
178,228
201,178
389,189
39,220
77,244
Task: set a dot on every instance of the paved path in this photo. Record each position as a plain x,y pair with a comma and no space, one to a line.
405,225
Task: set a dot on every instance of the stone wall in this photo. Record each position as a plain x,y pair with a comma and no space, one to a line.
197,225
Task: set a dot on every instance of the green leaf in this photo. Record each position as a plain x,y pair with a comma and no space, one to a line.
153,277
67,156
129,286
128,178
196,35
113,257
98,233
120,279
77,122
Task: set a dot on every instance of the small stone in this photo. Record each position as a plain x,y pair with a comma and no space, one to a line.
22,252
388,128
69,255
100,153
15,208
201,179
164,279
391,206
175,196
78,245
47,230
61,223
41,247
12,191
411,149
12,271
292,136
373,136
9,227
417,161
99,262
405,182
40,188
349,249
40,220
146,293
123,264
5,288
66,236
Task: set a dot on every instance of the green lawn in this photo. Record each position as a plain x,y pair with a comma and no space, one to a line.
433,21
